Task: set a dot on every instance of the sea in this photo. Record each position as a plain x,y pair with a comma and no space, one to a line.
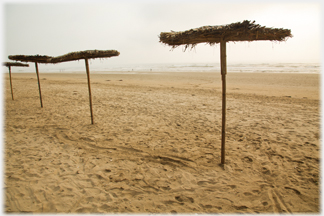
309,68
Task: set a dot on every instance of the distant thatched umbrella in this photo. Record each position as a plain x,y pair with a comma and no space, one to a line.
240,31
31,58
36,59
9,65
16,64
88,54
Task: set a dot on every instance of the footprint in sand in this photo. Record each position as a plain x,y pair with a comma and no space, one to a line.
184,199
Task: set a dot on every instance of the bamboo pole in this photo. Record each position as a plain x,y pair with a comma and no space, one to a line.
223,73
89,87
12,97
39,87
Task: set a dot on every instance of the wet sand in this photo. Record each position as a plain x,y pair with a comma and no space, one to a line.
155,143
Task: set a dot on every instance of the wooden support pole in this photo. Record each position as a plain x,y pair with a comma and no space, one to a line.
223,73
39,87
12,97
89,87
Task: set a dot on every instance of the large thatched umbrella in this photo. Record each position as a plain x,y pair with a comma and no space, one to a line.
88,54
33,58
240,31
9,65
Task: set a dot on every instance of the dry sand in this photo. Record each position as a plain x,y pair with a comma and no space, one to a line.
155,144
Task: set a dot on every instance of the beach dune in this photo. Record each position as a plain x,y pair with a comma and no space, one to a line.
154,146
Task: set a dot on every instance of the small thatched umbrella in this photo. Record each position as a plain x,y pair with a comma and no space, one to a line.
36,59
9,65
88,54
240,31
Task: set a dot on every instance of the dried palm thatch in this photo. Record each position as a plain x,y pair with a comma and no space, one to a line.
17,64
88,54
240,31
31,58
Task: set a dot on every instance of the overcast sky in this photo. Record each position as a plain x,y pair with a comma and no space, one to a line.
132,27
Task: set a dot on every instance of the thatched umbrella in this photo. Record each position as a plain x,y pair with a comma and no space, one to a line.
33,58
9,65
88,54
240,31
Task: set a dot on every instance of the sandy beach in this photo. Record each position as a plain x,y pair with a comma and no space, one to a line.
155,143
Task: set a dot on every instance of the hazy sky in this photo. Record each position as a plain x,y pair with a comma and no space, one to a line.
132,27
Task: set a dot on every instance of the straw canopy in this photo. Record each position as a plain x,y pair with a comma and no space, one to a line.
240,31
17,64
31,58
88,54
